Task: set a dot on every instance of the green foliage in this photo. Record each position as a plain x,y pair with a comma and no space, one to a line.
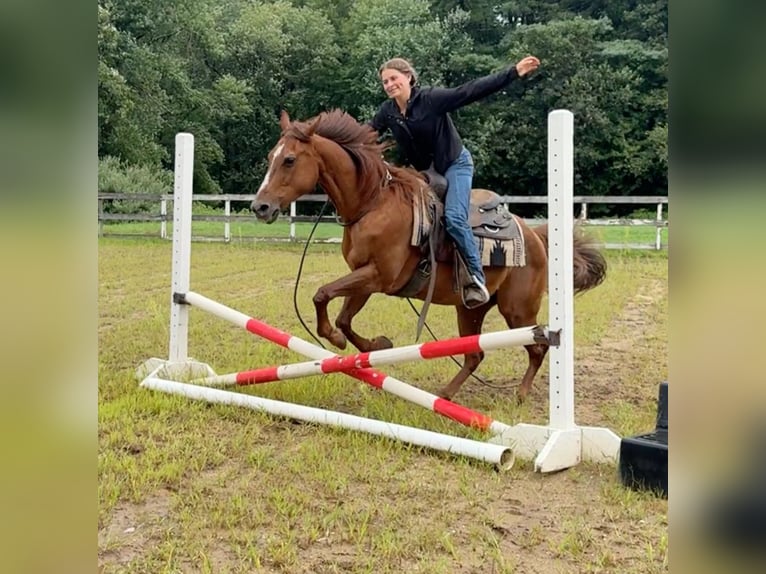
616,92
643,213
116,176
371,39
288,58
223,71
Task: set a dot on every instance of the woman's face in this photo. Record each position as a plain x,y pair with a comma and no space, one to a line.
395,83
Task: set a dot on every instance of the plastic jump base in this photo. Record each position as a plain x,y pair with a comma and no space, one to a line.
644,458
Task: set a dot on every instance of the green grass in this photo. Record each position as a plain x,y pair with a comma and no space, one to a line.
246,230
186,486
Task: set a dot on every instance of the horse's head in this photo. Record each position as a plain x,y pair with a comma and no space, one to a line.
293,171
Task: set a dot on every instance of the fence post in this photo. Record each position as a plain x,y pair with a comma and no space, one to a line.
227,224
658,239
293,213
583,211
100,217
164,214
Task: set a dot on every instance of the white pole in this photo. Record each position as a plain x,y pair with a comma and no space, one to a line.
658,240
182,207
293,213
561,443
560,272
227,225
500,455
164,223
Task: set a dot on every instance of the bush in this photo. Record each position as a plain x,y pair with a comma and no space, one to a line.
115,176
647,213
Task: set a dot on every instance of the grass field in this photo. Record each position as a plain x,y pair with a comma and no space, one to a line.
189,487
247,230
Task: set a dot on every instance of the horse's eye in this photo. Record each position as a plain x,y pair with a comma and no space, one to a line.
289,160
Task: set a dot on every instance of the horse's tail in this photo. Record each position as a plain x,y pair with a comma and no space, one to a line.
589,263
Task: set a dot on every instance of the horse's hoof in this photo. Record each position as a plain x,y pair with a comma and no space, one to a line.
520,398
444,394
379,343
338,339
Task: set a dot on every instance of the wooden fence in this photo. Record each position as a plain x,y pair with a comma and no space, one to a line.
659,222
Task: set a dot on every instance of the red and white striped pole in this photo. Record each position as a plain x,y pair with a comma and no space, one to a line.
422,351
373,377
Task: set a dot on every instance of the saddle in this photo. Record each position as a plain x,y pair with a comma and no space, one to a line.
487,215
493,228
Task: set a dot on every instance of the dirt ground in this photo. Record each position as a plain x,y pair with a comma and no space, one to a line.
530,525
538,524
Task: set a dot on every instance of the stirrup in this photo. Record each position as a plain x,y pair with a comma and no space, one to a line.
475,294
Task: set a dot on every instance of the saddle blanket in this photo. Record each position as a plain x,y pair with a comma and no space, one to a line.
502,252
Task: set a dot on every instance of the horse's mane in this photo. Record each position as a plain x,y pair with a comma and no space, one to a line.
360,141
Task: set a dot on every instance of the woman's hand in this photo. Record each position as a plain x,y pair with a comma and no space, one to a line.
527,65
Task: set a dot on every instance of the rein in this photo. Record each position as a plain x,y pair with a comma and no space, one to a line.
342,223
300,270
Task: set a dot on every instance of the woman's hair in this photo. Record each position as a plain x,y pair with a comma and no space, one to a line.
401,65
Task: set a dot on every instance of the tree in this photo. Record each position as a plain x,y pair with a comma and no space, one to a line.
157,77
125,128
613,90
223,71
288,58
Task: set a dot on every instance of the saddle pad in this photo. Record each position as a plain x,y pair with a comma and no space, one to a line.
503,252
421,217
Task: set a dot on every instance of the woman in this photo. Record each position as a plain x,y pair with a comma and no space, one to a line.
423,130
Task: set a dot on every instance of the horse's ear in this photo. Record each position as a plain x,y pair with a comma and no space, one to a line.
284,120
311,128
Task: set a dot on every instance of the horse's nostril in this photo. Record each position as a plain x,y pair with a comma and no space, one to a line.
259,207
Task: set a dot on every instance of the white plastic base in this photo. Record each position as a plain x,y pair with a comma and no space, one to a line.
556,449
174,370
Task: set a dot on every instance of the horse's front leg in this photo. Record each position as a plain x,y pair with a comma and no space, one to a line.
357,286
351,306
469,322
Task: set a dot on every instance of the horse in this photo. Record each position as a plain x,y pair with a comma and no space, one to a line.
374,200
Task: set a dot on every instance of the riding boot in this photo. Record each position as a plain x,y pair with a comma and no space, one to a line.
472,290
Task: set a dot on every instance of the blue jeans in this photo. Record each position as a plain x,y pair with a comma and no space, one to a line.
459,181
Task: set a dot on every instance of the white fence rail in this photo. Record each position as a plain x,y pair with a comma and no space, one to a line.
659,221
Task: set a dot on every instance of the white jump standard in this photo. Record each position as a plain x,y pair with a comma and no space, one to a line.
559,444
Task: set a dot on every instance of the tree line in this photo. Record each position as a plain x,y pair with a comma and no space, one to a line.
224,70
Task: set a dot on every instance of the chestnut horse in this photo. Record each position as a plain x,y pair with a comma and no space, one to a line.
375,200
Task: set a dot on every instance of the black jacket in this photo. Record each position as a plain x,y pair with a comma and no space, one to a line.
426,134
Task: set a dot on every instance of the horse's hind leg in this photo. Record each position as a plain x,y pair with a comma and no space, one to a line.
469,322
351,306
519,303
536,354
